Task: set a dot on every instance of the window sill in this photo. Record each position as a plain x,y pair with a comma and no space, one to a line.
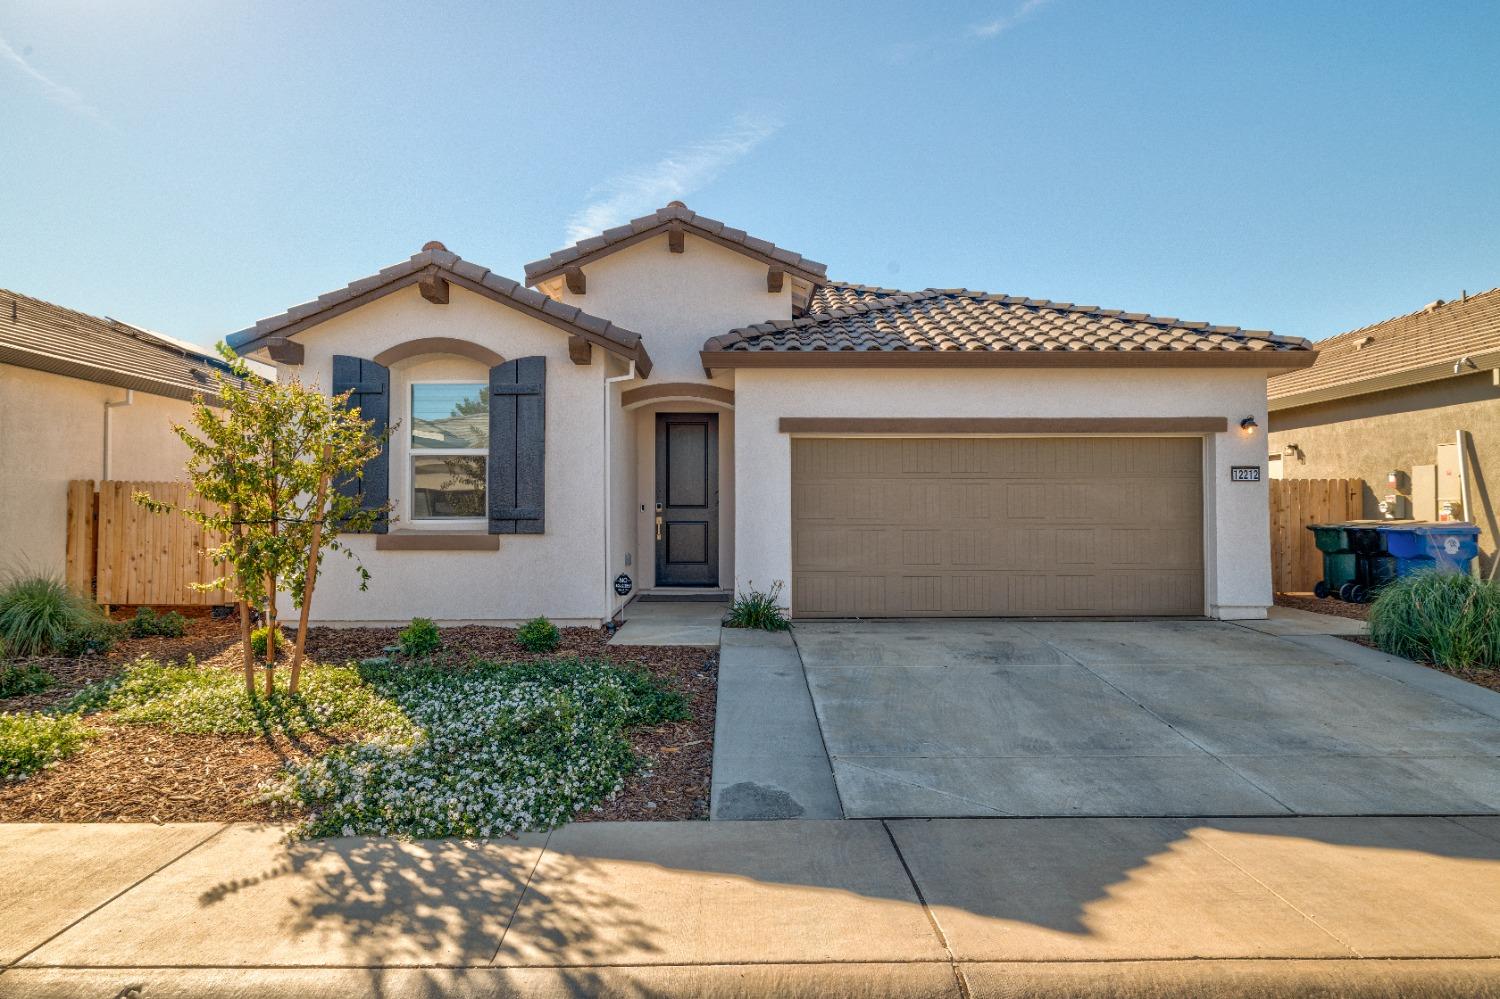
435,541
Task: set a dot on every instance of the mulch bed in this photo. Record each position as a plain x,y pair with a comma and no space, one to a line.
1331,606
136,773
1489,678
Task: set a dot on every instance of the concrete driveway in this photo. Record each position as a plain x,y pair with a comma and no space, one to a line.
993,718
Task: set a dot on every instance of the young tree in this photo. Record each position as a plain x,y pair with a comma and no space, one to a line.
264,458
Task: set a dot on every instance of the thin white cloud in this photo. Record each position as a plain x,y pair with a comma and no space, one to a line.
1002,24
55,92
677,175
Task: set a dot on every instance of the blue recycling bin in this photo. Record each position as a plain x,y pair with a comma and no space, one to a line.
1446,547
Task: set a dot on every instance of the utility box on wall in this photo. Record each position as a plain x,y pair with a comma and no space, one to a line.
1450,492
1424,492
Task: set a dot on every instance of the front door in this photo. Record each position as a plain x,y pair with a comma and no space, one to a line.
687,499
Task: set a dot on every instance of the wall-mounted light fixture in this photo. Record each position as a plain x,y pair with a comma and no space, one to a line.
1291,449
1248,425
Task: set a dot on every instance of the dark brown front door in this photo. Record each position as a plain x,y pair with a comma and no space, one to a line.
687,499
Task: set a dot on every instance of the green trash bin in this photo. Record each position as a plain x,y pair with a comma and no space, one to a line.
1340,564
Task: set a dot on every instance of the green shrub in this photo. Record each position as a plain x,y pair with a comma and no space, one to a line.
258,640
147,623
21,679
1451,620
539,635
29,742
90,639
40,615
420,638
758,609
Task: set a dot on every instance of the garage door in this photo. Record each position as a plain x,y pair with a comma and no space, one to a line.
978,527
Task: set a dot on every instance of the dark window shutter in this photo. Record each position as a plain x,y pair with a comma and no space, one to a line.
518,416
371,384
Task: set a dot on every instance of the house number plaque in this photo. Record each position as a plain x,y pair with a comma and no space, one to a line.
1244,473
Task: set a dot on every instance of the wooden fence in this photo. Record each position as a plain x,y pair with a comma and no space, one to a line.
121,553
1296,563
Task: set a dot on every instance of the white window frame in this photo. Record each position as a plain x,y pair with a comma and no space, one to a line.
413,453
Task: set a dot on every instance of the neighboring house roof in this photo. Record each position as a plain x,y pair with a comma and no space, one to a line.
662,220
435,263
1418,347
46,337
957,326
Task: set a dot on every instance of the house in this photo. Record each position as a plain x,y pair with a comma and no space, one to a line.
83,397
675,404
1389,404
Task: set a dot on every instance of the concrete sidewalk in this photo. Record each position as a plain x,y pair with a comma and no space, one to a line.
976,907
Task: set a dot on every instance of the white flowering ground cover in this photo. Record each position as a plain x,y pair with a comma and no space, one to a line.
479,750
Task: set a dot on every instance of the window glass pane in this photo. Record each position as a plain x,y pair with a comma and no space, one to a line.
447,487
450,416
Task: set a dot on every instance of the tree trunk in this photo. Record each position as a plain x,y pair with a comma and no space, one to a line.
246,656
270,634
311,577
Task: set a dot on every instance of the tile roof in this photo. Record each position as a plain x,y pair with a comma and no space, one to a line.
882,320
1419,346
658,221
436,260
843,295
46,337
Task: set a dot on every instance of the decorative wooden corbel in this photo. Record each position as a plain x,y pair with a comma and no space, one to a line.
774,276
284,351
433,286
580,351
577,284
676,239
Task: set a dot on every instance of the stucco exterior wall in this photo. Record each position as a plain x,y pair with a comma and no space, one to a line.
1372,435
1236,531
51,431
678,300
560,573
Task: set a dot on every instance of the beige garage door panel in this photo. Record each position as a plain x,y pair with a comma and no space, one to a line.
996,526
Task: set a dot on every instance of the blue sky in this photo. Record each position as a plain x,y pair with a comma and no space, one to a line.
1303,167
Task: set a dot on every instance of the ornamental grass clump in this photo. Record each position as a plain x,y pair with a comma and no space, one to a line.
1451,620
39,616
30,742
760,609
500,748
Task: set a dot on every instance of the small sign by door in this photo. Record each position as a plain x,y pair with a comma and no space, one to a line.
1244,473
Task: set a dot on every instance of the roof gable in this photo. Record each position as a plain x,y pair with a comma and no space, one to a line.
435,262
674,217
1420,346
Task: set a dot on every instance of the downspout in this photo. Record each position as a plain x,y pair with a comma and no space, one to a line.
110,407
609,513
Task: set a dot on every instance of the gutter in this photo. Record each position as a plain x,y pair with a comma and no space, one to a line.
609,514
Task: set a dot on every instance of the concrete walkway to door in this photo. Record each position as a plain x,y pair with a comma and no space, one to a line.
1166,718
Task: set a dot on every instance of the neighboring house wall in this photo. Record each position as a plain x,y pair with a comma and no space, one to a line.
559,573
51,431
1368,436
1237,536
678,300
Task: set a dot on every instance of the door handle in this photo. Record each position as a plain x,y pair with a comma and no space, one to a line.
658,528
